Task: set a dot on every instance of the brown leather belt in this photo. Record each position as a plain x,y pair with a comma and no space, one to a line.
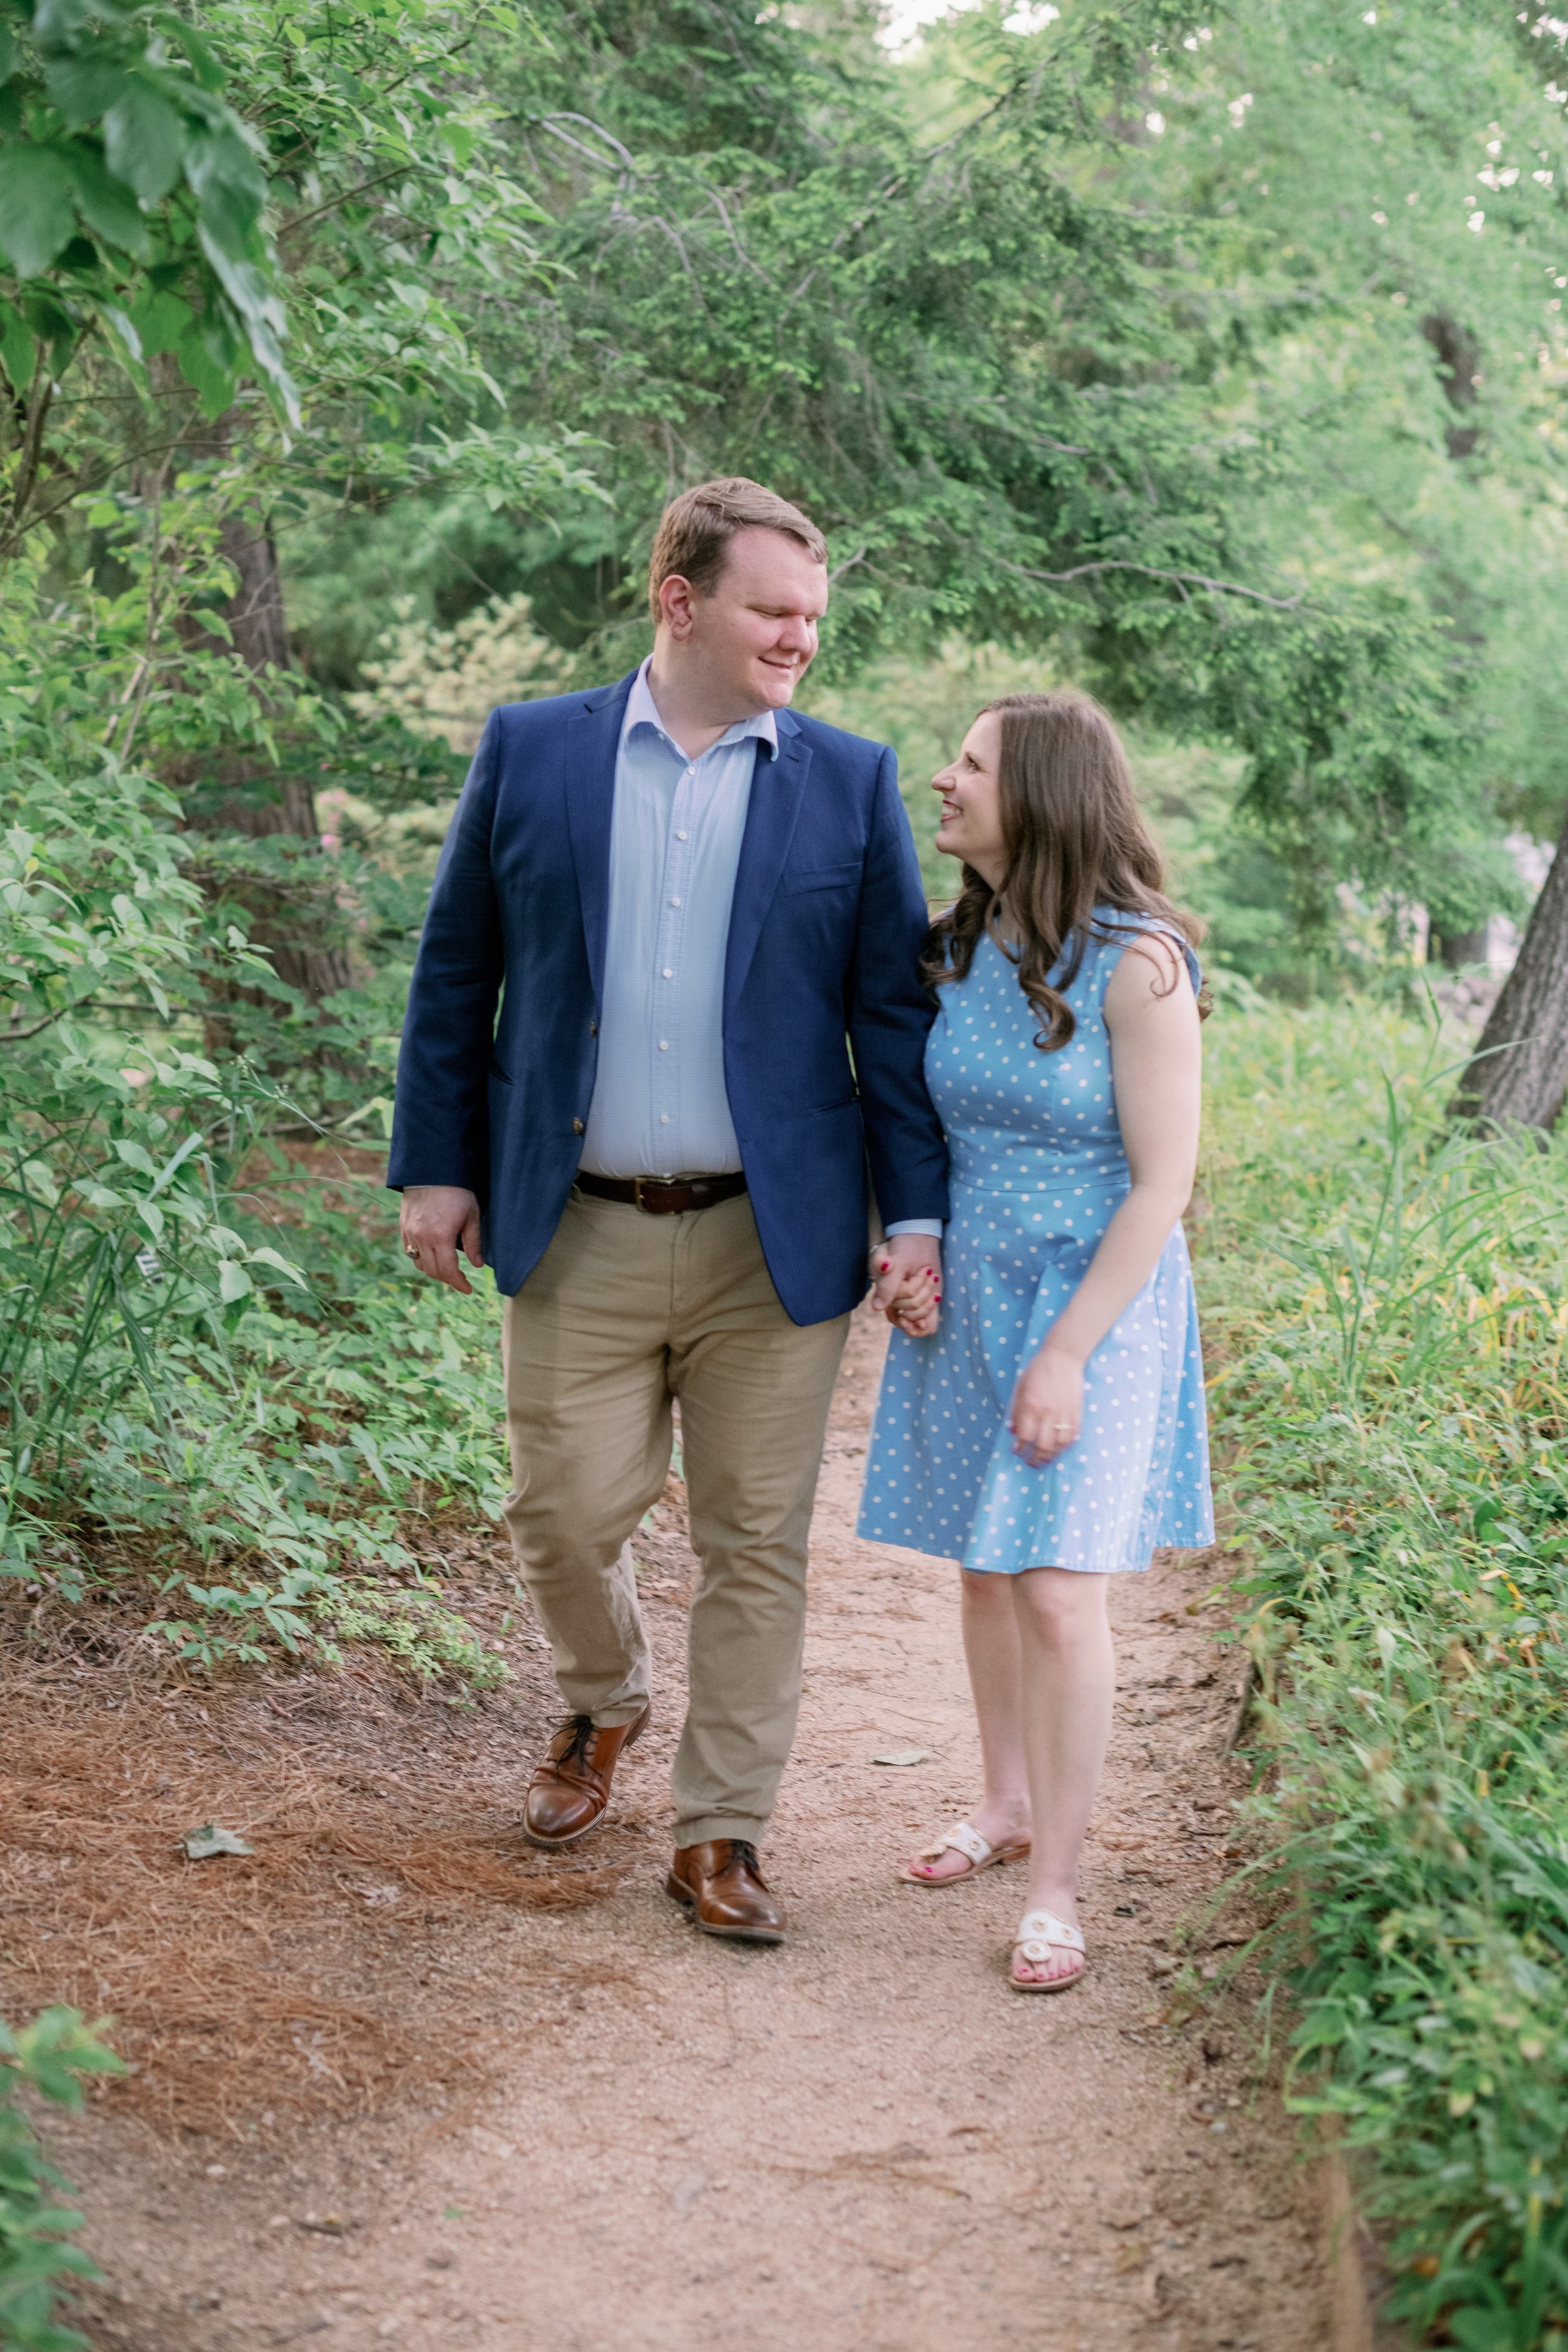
658,1196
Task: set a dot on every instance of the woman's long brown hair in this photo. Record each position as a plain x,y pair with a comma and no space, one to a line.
1075,840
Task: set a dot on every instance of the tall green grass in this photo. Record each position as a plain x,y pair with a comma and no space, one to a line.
1385,1298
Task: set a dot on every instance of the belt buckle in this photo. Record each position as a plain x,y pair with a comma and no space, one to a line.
636,1195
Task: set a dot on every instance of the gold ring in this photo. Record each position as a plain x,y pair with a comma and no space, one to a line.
409,1250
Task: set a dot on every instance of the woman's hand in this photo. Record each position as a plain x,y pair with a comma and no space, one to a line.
1047,1413
916,1305
906,1282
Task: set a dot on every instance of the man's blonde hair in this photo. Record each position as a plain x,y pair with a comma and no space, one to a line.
695,531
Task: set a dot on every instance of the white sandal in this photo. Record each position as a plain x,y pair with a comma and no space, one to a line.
965,1838
1037,1934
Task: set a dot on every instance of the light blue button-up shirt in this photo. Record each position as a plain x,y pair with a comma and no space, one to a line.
659,1105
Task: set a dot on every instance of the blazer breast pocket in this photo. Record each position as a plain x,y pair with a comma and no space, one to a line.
797,879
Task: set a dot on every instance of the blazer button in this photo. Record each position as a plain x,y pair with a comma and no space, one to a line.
593,1028
576,1127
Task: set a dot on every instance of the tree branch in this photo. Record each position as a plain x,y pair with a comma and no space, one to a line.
347,195
32,444
1152,571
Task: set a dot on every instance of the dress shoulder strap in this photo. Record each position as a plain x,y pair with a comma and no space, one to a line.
1115,929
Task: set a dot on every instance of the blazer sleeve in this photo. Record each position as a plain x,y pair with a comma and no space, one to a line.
890,1013
440,1122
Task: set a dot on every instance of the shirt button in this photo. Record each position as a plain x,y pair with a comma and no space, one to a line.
663,1118
675,902
680,836
668,972
576,1127
664,1045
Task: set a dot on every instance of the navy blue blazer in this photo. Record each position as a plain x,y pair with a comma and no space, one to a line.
825,1017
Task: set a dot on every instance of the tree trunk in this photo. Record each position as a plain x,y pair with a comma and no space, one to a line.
1457,950
1519,1073
292,930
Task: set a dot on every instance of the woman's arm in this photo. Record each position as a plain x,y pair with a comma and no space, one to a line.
1156,1070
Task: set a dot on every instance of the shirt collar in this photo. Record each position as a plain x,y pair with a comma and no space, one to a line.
643,712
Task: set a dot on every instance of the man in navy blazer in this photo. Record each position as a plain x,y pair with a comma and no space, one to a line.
702,918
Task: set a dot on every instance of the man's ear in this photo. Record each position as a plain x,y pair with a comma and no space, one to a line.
676,599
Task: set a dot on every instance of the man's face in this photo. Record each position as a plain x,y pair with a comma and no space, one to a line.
756,633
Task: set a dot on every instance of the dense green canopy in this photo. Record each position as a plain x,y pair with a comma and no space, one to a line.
1217,363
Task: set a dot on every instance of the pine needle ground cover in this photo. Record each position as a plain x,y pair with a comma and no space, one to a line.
1385,1299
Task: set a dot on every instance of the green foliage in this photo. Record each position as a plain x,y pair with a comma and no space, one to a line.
51,2056
1011,348
1387,1301
211,1385
131,203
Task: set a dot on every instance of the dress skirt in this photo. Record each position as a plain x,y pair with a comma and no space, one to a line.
942,1476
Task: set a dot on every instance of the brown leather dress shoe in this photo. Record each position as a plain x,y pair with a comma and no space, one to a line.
722,1884
571,1783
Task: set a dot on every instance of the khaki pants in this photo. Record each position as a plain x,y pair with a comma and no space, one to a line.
623,1313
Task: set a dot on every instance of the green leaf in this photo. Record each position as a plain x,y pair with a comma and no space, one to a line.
230,186
160,320
1485,2331
83,88
206,66
233,1282
36,216
61,20
119,326
285,1265
144,141
18,347
213,383
106,205
7,53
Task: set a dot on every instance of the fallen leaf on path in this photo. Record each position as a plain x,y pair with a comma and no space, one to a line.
325,2225
901,1756
202,1843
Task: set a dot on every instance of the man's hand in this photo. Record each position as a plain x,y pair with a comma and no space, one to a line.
437,1221
906,1282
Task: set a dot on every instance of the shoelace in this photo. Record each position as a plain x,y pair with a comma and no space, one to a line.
744,1853
581,1733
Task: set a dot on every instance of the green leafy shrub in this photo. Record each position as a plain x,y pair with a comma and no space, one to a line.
52,2054
214,1377
1389,1301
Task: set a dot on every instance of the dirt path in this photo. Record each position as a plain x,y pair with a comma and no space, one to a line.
861,2142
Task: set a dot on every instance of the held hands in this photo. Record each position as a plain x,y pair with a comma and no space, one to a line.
1046,1414
436,1222
906,1282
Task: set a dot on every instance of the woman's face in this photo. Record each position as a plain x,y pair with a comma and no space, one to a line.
970,827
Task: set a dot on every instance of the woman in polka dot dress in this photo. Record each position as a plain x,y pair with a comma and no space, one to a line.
1044,1424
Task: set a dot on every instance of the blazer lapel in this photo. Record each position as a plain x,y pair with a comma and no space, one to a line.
593,740
777,786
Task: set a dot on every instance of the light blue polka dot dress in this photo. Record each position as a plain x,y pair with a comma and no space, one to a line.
1039,1169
